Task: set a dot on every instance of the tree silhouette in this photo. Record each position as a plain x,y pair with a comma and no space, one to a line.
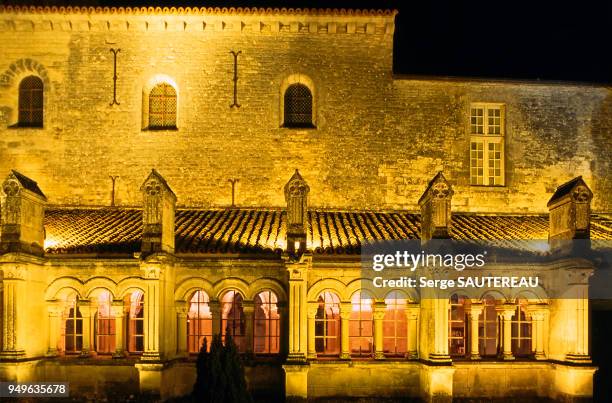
220,374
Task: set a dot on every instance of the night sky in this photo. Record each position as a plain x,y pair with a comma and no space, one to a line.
546,40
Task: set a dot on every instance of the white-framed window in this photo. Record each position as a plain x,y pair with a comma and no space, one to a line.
487,144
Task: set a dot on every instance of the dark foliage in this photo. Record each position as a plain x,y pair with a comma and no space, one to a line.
220,374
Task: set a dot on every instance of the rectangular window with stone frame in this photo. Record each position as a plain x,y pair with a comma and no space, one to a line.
487,132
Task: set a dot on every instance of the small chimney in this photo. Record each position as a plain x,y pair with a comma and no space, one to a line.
570,212
23,214
157,215
296,196
436,209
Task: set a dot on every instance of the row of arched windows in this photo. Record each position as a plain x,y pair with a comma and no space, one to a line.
104,324
361,325
489,335
266,321
162,105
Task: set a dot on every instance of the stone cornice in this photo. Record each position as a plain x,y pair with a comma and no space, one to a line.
157,19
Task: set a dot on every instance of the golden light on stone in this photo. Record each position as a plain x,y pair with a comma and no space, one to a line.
327,150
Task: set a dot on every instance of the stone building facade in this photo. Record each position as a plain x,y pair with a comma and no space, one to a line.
111,284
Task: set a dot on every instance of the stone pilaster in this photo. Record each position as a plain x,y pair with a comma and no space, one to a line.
13,296
298,305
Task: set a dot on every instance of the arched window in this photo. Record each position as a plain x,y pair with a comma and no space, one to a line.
162,107
105,324
395,326
298,106
521,330
72,325
267,324
327,324
135,326
488,334
31,102
199,322
361,321
457,334
232,317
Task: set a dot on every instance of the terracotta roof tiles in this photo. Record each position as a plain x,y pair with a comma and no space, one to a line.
118,230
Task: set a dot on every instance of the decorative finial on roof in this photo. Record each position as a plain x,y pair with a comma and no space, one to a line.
296,196
435,206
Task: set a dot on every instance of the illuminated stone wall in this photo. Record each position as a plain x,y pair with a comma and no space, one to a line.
379,138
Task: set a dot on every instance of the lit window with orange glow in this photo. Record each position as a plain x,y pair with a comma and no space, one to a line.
457,323
135,327
361,325
233,320
395,325
487,144
327,324
266,335
488,329
72,326
199,322
521,330
104,324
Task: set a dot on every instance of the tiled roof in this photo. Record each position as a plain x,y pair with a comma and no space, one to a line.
118,230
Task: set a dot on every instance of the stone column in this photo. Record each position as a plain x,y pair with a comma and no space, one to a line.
248,309
87,312
379,309
55,310
215,310
182,308
282,325
412,316
475,311
345,314
312,314
506,312
537,315
118,312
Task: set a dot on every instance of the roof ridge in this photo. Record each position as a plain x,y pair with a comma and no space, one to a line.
196,10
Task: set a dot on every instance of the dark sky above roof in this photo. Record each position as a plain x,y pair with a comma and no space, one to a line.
548,40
